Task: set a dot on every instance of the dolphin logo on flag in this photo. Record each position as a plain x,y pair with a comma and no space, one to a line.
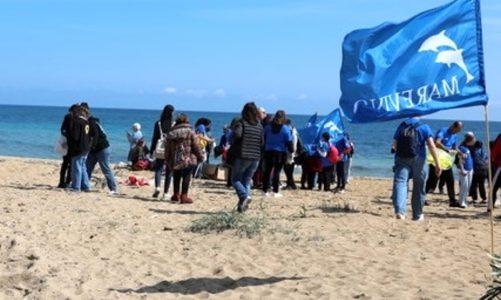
448,57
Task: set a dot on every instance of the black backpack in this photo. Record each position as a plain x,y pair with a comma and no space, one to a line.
408,141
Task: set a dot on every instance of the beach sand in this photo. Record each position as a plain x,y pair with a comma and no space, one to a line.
60,245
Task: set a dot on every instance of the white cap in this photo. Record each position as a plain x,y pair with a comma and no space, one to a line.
136,126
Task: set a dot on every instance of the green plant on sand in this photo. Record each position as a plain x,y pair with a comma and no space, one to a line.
494,291
244,225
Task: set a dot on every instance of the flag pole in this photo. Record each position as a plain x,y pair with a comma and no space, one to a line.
491,187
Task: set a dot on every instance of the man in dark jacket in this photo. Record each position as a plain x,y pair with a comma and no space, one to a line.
100,152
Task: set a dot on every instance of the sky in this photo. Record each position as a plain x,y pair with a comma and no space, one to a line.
200,55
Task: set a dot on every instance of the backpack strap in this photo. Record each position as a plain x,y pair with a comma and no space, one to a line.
160,128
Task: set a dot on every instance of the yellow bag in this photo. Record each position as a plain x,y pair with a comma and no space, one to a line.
445,159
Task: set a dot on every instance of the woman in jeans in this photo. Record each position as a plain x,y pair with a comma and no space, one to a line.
161,129
277,141
182,154
247,140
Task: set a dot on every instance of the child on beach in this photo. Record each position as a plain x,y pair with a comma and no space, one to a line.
465,167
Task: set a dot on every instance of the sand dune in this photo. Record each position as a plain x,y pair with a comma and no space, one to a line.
59,245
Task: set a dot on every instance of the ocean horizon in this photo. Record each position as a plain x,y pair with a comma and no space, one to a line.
31,132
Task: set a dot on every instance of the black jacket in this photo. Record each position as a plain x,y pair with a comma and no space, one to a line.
79,137
249,138
166,128
99,140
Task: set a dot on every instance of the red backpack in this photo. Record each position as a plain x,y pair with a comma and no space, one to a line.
333,154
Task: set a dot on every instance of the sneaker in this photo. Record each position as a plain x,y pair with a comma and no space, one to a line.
420,218
453,204
156,193
400,216
112,193
239,209
245,204
277,195
462,206
342,191
267,194
166,197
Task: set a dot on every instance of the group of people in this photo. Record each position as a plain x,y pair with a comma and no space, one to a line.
448,152
256,147
86,145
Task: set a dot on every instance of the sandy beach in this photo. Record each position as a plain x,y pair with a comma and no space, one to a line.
315,245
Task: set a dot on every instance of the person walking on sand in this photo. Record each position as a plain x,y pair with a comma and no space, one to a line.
445,139
78,149
247,140
100,152
409,145
277,141
182,154
160,130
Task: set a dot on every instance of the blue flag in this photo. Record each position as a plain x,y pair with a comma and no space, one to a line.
431,62
332,123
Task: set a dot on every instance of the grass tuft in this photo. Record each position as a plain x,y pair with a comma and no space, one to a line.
244,225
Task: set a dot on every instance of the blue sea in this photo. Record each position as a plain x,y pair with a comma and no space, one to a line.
31,131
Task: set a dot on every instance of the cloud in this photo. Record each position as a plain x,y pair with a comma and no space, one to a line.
170,90
271,97
220,92
303,96
196,93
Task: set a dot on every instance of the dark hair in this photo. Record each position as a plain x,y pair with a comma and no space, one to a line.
326,136
203,121
288,122
182,119
249,112
279,118
468,139
85,105
457,124
167,113
166,118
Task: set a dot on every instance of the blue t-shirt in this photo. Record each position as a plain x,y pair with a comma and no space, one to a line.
448,139
424,133
324,147
468,161
277,141
200,129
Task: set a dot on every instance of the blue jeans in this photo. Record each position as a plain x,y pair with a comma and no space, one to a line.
241,176
159,167
79,176
103,158
406,168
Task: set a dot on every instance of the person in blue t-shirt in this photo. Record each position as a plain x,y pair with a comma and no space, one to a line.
327,174
445,139
277,141
409,165
465,168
